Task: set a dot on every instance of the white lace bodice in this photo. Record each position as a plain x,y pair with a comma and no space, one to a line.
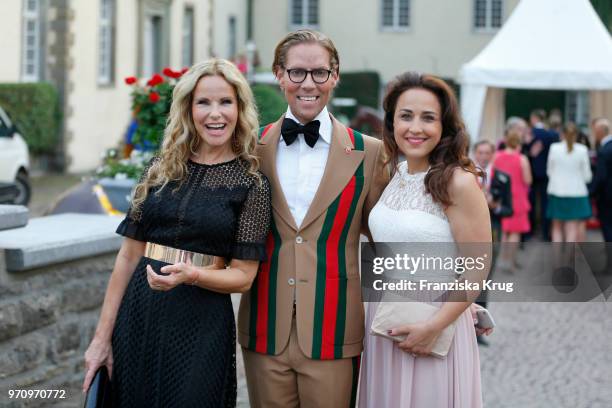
406,213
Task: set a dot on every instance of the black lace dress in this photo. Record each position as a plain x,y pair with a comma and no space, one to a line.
177,348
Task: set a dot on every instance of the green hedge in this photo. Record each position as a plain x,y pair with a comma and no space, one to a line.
34,109
270,103
362,86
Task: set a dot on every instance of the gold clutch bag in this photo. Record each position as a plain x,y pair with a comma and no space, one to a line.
391,315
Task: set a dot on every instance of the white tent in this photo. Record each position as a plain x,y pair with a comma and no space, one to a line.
544,44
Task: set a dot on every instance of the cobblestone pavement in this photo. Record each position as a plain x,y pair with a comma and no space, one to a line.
541,355
549,355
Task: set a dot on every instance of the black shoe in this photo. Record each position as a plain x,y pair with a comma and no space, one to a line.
482,341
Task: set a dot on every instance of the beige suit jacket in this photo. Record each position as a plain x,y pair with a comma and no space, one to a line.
315,265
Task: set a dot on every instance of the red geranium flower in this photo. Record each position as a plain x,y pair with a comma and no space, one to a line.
154,97
131,80
155,80
172,74
184,70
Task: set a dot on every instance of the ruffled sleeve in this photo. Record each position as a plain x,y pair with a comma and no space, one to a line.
132,226
254,223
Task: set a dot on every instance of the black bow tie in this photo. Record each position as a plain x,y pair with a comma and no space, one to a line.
291,129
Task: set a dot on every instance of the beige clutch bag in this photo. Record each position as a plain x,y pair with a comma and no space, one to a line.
391,315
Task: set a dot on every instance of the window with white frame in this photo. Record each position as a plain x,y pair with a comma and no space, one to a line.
233,38
31,49
106,42
395,14
488,14
188,37
154,40
305,13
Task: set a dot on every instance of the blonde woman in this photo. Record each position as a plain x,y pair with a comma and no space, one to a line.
569,171
166,330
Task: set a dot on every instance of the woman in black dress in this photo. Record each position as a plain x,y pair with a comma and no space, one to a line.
166,330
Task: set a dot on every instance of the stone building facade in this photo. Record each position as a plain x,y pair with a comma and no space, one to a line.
87,48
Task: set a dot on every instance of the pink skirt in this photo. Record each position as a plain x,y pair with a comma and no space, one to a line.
392,378
518,223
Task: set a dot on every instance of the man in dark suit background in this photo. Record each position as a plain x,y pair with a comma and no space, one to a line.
538,149
601,187
496,186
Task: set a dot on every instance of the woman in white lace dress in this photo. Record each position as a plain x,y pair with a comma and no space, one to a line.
432,197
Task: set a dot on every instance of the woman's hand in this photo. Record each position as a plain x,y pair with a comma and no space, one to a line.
178,273
98,354
420,339
479,332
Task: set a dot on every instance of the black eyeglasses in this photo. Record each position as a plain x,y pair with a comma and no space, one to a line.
319,75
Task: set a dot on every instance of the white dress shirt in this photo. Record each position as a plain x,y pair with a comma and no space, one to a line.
300,167
568,172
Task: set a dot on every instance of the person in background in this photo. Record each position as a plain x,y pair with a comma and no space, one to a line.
496,186
555,120
601,187
483,153
499,199
538,149
568,171
516,165
594,131
583,139
518,123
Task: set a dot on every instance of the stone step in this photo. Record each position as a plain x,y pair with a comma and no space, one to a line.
13,216
59,238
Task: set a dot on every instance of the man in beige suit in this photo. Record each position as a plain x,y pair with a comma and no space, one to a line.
301,325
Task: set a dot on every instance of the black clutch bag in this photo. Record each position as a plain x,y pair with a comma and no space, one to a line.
99,392
500,190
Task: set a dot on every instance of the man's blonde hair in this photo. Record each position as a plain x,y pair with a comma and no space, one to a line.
304,36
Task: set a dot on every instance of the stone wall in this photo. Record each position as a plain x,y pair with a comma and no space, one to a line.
47,318
48,315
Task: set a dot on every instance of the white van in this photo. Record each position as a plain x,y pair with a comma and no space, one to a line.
14,160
